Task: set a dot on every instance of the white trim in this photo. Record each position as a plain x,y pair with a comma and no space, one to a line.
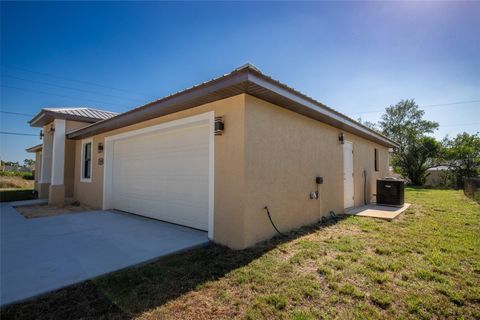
211,173
58,152
84,142
108,162
47,150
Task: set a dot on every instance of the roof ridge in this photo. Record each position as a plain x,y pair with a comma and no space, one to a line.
103,110
248,65
80,108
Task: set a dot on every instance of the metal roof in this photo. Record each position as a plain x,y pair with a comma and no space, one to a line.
246,79
90,115
36,148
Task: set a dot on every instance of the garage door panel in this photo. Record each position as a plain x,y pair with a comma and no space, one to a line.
153,204
197,194
164,153
147,184
192,163
164,175
132,200
165,209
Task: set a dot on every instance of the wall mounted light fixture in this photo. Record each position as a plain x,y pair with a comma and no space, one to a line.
41,134
100,147
341,138
219,126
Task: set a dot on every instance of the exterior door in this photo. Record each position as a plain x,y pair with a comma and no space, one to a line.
348,187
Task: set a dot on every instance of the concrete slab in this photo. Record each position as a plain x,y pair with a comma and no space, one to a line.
24,203
45,254
378,211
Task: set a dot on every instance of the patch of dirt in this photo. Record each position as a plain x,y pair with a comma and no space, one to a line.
15,183
44,210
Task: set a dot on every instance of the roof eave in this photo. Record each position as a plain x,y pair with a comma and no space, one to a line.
321,112
45,116
34,121
164,106
245,80
34,149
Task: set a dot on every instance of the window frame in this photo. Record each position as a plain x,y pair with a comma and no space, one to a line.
375,159
82,160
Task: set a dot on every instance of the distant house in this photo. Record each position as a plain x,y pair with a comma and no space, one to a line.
213,156
24,169
436,176
19,168
7,167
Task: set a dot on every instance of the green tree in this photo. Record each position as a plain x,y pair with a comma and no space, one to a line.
28,162
369,124
11,163
417,152
462,155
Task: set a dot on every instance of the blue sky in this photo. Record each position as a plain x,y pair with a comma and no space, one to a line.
355,57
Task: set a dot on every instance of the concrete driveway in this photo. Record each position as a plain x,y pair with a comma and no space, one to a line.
44,254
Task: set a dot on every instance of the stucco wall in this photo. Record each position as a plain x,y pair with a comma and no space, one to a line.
38,165
284,153
229,168
267,156
70,156
69,169
38,168
75,125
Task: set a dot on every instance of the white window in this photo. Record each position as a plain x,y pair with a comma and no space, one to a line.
86,163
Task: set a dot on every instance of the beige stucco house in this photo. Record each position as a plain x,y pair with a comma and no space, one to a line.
213,156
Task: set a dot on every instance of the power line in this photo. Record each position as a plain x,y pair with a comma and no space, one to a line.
17,113
79,81
423,106
61,95
460,124
70,88
449,103
18,133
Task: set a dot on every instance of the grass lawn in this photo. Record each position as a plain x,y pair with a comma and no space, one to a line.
425,265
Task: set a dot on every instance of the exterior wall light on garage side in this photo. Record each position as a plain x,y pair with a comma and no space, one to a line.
219,126
341,138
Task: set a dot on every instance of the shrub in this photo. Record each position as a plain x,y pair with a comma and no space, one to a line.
17,195
28,176
24,175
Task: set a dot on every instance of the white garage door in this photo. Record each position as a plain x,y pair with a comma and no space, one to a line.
164,175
